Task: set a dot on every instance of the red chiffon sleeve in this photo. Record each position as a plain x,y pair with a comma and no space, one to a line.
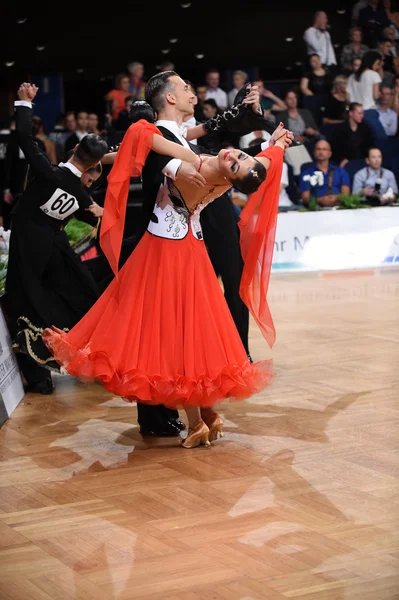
258,221
129,162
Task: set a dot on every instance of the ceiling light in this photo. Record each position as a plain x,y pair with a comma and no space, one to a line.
199,56
79,70
40,48
336,45
341,11
21,20
288,68
185,5
10,63
165,51
289,39
298,63
173,40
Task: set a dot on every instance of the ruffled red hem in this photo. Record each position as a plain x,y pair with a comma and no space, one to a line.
235,382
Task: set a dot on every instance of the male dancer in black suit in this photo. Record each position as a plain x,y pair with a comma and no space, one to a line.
172,99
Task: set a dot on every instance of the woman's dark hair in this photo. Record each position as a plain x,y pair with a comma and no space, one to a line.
141,110
211,102
368,60
157,87
250,182
91,149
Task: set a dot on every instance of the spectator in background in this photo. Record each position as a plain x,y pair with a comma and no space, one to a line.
390,33
298,120
136,81
213,91
354,138
80,132
116,97
395,98
200,92
372,21
387,116
57,133
356,9
268,100
317,79
318,40
364,88
385,48
373,181
356,62
40,134
122,121
70,128
355,49
240,78
391,10
335,180
337,105
211,140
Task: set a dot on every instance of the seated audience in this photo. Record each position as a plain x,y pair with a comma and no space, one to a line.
374,182
353,138
355,49
268,101
298,120
387,116
317,78
333,182
337,105
240,78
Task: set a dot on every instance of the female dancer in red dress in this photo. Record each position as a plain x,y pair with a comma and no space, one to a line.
162,332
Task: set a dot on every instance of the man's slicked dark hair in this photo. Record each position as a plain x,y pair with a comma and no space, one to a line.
91,149
157,87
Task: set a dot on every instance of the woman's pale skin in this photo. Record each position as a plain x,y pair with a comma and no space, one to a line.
220,171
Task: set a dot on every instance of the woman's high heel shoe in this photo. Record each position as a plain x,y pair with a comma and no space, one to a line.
215,426
197,436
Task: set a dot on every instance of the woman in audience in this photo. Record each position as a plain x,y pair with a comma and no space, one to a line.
355,49
317,80
117,96
364,88
336,110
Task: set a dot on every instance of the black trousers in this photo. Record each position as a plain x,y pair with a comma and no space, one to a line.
222,239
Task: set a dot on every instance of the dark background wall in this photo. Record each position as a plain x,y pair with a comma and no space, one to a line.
86,46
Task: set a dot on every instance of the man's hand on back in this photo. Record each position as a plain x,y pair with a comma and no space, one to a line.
187,172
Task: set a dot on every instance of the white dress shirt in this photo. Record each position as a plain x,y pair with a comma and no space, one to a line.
219,96
319,42
170,169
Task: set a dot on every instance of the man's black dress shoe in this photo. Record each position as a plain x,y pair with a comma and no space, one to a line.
169,429
179,424
40,387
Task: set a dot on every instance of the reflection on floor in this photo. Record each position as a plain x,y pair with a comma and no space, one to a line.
299,500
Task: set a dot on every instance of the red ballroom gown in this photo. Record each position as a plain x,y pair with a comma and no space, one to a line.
162,332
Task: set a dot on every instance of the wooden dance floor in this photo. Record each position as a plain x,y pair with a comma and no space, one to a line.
299,500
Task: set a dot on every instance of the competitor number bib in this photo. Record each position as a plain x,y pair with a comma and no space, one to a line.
60,205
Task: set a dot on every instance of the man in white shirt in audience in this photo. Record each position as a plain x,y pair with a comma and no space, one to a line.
387,116
318,40
375,182
212,79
